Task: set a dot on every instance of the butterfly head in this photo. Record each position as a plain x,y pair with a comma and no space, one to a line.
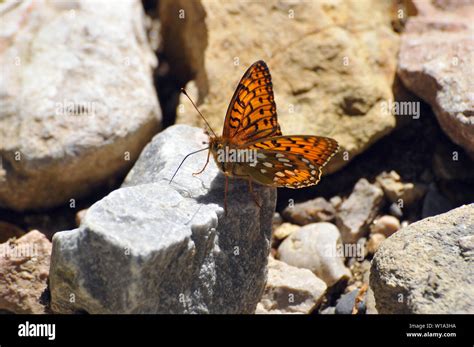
215,144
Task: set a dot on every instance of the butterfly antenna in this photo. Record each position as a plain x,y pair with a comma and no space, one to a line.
192,102
186,157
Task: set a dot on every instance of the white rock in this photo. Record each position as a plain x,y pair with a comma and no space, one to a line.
290,290
316,247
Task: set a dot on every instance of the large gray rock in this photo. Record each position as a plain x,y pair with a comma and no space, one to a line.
77,102
155,247
427,267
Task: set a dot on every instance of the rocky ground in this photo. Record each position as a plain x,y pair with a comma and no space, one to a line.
92,128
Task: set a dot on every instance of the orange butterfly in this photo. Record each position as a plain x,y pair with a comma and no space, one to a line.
251,128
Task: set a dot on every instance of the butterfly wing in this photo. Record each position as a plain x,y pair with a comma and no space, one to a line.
291,161
251,114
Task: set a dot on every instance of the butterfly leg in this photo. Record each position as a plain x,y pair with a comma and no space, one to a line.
207,162
255,196
225,193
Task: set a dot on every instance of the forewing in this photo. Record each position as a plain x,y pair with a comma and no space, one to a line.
251,114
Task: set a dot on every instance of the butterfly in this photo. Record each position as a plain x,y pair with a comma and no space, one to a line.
251,127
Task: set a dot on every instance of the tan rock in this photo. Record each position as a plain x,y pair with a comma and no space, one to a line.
324,55
406,193
285,230
77,100
374,242
24,269
80,216
290,290
385,225
311,211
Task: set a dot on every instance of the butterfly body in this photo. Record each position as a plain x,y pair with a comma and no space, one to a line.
235,168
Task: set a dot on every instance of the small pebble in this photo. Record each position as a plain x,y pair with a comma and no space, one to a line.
374,242
277,220
328,310
285,230
80,216
336,201
395,210
386,225
346,303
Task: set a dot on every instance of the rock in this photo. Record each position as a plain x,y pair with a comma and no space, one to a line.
24,266
374,242
311,211
78,102
396,191
80,216
359,269
342,65
435,62
395,210
466,245
328,310
316,247
386,225
285,230
435,203
277,220
359,210
156,247
425,269
346,303
290,290
370,302
336,201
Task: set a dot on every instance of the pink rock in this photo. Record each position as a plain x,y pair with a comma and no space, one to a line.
436,63
24,270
